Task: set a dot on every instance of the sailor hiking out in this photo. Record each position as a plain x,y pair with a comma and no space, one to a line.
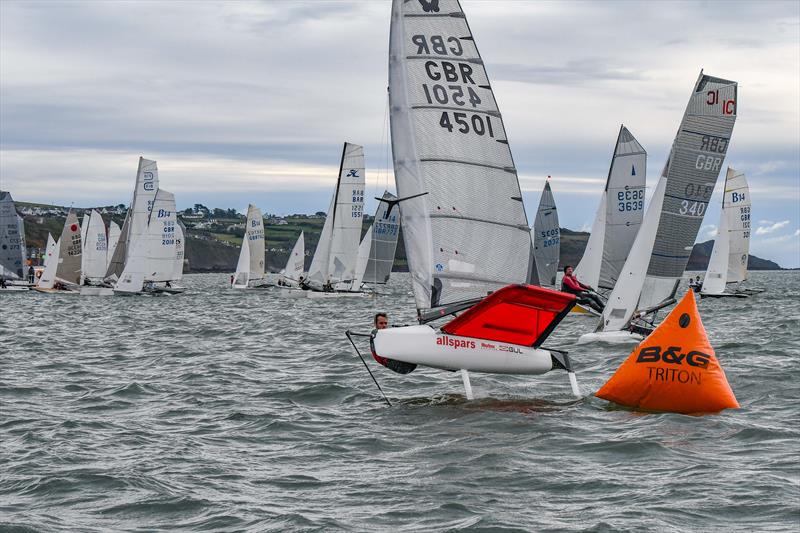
585,293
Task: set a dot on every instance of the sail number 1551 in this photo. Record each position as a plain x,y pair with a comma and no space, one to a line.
464,122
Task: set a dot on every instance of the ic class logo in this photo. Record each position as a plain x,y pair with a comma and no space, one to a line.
149,183
352,174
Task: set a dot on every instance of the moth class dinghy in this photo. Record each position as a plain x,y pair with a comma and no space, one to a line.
334,270
618,217
653,270
466,233
547,238
727,267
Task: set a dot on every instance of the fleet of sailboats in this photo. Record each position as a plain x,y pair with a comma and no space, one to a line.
727,267
650,276
474,260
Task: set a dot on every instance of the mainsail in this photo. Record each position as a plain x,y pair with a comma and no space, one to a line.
464,224
547,237
95,248
69,260
296,262
113,239
335,257
728,262
12,239
180,249
242,275
362,260
385,231
48,277
661,249
619,215
254,233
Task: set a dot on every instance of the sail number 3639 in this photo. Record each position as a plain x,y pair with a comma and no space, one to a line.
464,123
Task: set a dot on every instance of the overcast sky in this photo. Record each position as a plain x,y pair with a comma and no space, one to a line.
250,101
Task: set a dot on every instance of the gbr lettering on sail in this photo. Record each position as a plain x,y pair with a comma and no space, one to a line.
449,80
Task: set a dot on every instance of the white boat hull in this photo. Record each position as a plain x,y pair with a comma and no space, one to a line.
97,291
422,345
611,337
317,295
15,288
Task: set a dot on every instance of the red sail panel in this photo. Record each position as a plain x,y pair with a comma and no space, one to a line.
516,314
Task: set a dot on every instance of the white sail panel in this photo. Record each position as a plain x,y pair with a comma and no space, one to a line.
95,249
48,277
180,249
254,233
120,253
12,239
144,195
736,204
694,163
547,237
717,271
242,276
69,261
160,237
624,298
588,269
335,257
362,260
296,262
114,232
385,232
467,234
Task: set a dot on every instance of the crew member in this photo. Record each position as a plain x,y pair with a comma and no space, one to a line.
695,284
585,293
31,275
381,321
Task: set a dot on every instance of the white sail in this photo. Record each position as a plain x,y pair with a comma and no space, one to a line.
736,205
385,231
362,260
619,215
180,250
68,269
464,224
717,271
113,238
12,239
48,277
694,163
144,195
293,270
95,249
161,237
119,255
335,257
254,233
623,300
242,275
547,237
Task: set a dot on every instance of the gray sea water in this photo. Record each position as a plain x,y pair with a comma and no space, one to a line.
221,410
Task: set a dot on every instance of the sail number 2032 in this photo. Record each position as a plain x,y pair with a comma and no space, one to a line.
466,122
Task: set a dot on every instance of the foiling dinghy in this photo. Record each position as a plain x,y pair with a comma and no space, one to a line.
727,267
465,229
653,270
618,217
333,271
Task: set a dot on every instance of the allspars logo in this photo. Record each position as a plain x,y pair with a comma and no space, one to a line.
429,5
444,340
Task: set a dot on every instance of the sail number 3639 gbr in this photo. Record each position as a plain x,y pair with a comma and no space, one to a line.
451,83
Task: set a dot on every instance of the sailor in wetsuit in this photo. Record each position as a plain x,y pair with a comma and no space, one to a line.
695,284
585,293
382,322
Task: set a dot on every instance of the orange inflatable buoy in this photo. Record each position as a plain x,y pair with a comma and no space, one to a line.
673,370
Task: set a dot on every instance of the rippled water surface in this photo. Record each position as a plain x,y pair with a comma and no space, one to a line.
228,410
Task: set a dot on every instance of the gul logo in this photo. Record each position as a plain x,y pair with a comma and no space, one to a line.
148,184
672,355
352,174
444,340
